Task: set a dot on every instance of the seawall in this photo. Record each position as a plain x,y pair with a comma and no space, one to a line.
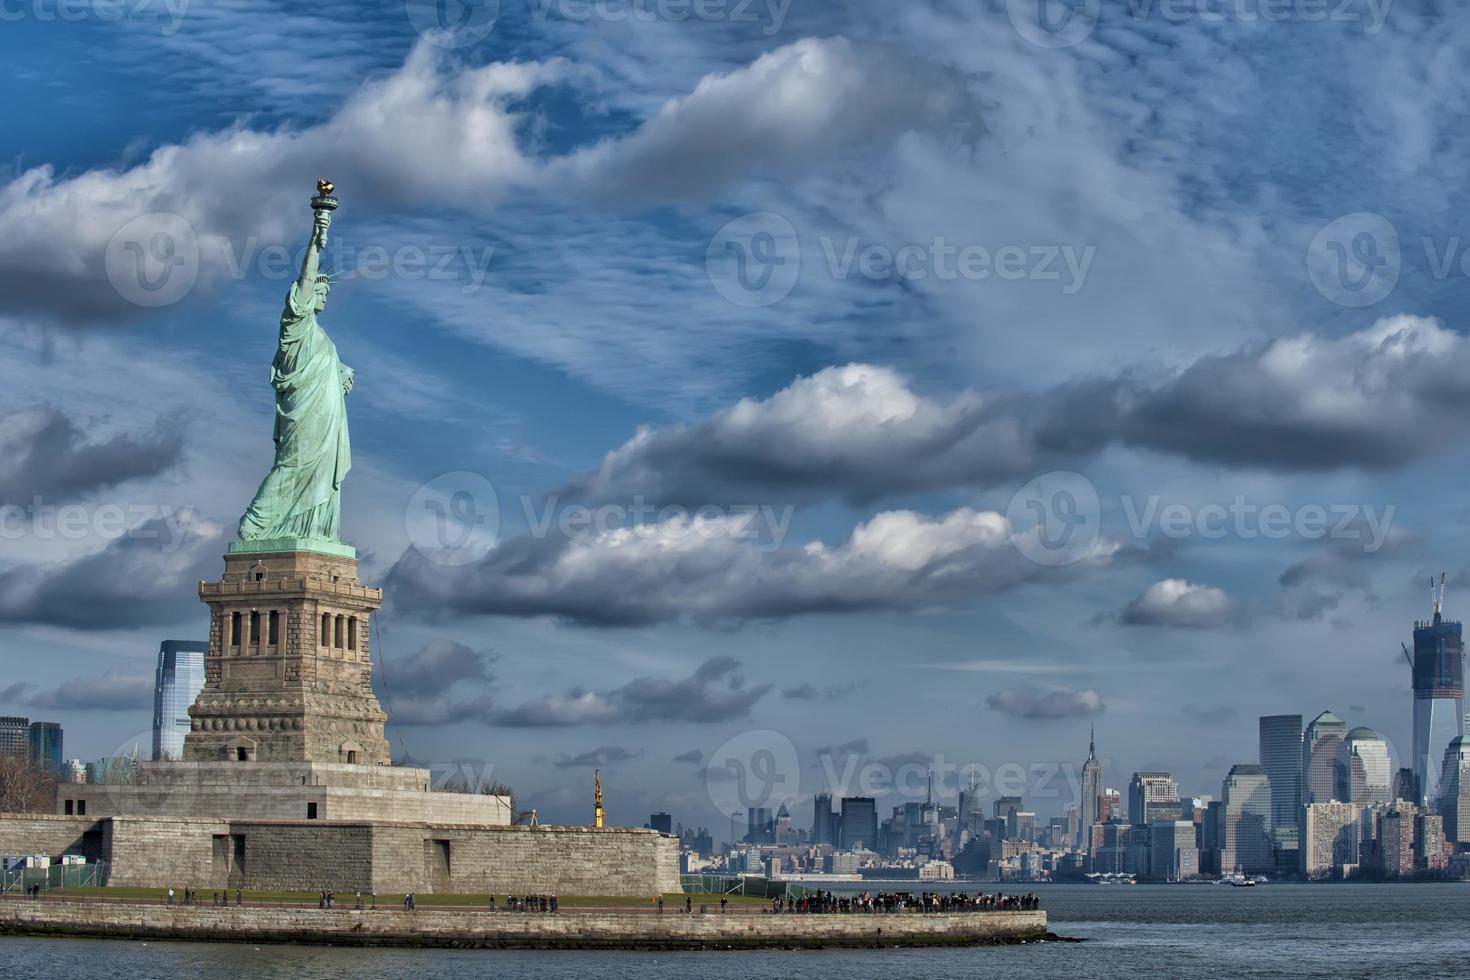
510,930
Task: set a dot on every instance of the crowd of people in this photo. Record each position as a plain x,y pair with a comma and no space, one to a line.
865,901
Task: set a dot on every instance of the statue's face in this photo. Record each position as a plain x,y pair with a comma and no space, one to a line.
319,296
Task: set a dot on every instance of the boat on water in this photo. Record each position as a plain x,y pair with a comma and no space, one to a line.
1239,879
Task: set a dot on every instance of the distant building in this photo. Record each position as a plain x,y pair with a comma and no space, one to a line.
1439,696
1396,841
1091,792
15,736
177,681
1430,853
74,771
661,822
822,819
1173,855
1454,791
1246,796
1152,796
859,823
1323,738
43,746
1330,833
1280,754
1364,771
759,825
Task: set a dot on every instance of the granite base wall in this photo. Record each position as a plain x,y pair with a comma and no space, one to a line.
566,930
348,856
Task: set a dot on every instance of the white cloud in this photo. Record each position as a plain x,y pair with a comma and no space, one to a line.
1175,602
711,570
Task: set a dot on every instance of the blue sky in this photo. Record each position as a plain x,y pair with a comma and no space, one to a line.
858,280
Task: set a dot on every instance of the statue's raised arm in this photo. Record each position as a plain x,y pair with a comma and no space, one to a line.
322,207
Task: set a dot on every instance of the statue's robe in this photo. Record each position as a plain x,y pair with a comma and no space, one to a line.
301,497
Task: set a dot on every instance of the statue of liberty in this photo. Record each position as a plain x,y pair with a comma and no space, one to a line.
300,501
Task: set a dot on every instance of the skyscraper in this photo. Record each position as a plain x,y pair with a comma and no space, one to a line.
822,819
1454,791
15,736
661,822
1152,796
859,823
1439,695
1281,757
44,741
1091,790
1246,795
1364,772
1323,738
176,683
1329,838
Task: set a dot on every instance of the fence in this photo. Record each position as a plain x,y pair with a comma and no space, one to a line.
749,886
54,876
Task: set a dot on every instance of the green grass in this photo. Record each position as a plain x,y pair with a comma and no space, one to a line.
345,900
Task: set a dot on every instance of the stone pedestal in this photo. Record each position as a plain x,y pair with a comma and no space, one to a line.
288,675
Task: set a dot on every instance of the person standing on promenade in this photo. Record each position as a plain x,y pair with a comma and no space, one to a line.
170,898
660,905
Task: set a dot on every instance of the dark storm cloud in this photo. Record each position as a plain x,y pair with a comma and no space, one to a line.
110,691
439,666
714,692
1222,712
1044,704
598,758
149,575
802,692
44,454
